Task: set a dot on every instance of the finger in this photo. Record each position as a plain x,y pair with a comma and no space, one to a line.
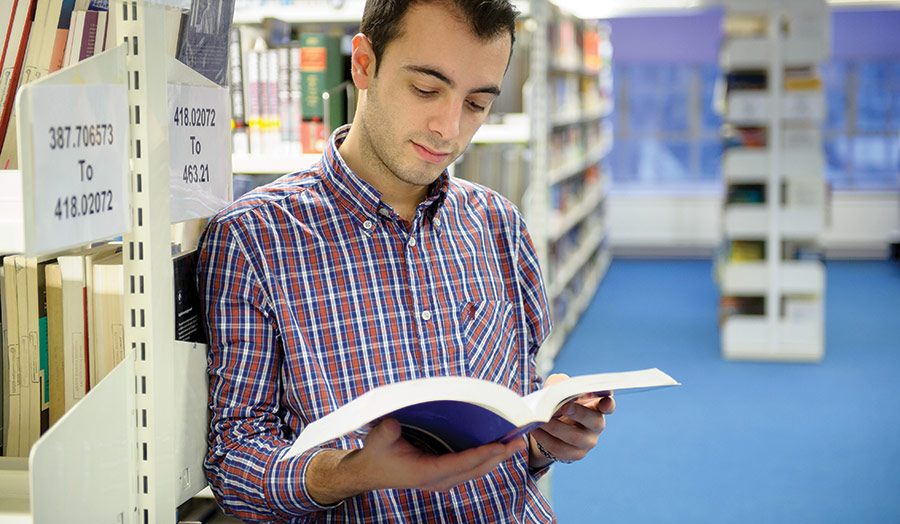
384,434
574,435
560,448
605,405
587,417
477,470
555,378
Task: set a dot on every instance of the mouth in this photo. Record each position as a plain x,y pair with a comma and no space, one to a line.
429,155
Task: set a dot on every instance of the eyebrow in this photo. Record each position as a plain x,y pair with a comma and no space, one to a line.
424,70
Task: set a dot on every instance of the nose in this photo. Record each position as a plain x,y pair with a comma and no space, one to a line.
445,120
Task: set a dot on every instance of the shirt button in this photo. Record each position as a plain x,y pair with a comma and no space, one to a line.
426,315
412,242
368,224
437,222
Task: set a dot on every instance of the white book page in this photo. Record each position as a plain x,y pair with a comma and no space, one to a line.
386,399
546,401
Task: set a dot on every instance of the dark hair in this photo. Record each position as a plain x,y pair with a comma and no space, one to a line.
486,18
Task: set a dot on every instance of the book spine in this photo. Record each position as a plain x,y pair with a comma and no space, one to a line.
313,64
89,36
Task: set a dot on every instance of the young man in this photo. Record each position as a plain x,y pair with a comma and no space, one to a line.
373,267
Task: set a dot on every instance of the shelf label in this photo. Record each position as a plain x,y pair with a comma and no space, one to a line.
80,145
199,151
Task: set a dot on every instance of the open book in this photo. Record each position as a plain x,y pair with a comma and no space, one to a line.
451,414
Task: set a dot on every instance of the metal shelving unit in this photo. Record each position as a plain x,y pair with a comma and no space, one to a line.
132,449
791,176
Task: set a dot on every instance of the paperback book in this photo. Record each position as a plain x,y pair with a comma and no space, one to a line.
451,414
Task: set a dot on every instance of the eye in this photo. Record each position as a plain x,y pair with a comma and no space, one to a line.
422,92
475,107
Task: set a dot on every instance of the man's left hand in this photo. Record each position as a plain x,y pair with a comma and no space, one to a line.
572,432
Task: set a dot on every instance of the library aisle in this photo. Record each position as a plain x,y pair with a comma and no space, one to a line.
712,188
738,442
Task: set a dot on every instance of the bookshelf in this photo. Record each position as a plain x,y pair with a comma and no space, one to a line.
572,137
769,270
131,450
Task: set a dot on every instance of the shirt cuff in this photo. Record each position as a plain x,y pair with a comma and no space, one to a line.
286,484
537,473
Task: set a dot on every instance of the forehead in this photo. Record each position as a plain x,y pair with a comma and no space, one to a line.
436,36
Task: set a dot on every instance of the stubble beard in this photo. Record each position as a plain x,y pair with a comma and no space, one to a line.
386,153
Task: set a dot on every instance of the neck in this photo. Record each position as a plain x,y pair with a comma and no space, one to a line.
403,197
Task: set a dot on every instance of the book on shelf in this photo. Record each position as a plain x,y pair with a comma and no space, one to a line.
23,425
746,250
204,38
55,350
58,51
13,58
451,414
9,319
107,290
91,258
188,313
36,313
321,71
745,194
741,305
75,320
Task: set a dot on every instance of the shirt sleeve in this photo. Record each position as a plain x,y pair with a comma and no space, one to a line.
534,301
246,441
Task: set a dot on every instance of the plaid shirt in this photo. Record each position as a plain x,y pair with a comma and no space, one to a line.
315,292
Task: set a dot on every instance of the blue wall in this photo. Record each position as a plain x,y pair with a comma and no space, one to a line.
694,38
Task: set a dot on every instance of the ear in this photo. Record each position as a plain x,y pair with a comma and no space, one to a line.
362,61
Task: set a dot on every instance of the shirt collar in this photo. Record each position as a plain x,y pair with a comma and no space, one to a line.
359,197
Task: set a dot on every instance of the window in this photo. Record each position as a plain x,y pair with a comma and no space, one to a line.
666,130
862,132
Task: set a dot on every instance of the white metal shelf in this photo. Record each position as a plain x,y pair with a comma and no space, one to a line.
756,52
577,166
15,499
563,222
752,107
569,118
514,128
752,164
561,330
750,221
272,164
794,277
753,338
567,271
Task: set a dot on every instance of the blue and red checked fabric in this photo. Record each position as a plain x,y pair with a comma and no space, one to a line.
315,292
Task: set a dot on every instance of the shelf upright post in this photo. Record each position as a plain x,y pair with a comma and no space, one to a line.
537,203
773,192
148,301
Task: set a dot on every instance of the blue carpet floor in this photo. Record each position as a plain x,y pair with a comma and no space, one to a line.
738,442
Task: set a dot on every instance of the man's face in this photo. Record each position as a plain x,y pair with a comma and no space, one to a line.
434,87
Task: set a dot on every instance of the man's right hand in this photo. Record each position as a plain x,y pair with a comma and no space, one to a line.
388,461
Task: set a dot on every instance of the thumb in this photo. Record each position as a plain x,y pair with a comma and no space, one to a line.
384,434
555,378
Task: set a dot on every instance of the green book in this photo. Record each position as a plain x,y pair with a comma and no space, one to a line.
321,70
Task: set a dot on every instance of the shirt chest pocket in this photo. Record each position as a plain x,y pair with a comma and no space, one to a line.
490,338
